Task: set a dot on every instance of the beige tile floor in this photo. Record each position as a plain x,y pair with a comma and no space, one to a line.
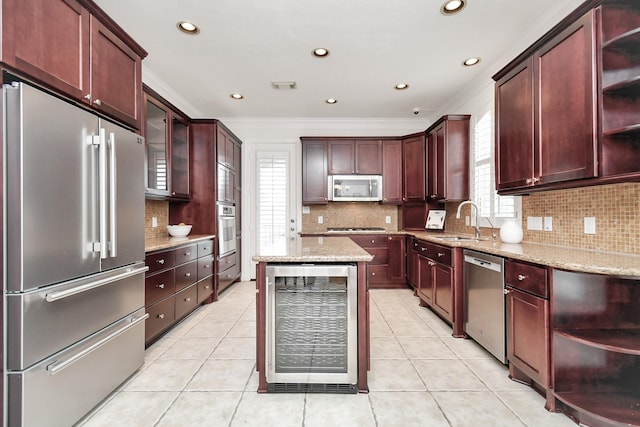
202,373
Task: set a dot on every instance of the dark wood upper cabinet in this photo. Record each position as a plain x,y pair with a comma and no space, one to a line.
368,159
168,149
413,167
314,171
392,172
73,47
362,157
447,152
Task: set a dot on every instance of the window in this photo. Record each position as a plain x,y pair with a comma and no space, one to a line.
493,207
272,197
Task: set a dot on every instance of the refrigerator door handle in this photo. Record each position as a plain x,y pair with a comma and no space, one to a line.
57,296
103,194
113,212
56,367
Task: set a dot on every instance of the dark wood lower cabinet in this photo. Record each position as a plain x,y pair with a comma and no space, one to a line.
387,270
179,279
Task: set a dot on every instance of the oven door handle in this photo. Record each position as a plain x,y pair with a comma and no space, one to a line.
56,366
57,296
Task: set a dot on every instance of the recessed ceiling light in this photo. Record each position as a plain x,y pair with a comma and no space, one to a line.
188,27
471,61
331,101
401,86
236,96
320,52
451,7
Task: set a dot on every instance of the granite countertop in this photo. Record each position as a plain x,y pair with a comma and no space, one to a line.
315,249
563,257
169,242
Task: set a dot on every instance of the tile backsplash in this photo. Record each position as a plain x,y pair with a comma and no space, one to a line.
616,208
350,214
160,210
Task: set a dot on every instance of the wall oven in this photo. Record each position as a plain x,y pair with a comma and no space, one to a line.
311,328
226,229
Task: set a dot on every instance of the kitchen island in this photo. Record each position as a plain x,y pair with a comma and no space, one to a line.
331,254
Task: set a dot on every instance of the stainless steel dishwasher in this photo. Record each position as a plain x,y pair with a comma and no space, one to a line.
484,302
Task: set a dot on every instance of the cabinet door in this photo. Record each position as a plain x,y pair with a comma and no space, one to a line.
443,291
528,334
157,144
314,172
341,157
425,279
116,76
412,262
439,175
564,70
413,160
397,258
179,157
514,128
49,40
368,159
392,172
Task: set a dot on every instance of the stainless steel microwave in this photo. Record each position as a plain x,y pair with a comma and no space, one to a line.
355,188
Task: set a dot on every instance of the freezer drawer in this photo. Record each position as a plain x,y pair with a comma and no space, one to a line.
64,387
47,320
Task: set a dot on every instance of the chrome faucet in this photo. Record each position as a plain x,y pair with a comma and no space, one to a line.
477,226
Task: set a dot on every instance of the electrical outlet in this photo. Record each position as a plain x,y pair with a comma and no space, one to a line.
320,219
547,223
306,210
589,225
387,219
154,221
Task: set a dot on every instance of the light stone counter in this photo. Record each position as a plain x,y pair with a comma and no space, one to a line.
315,249
562,257
169,242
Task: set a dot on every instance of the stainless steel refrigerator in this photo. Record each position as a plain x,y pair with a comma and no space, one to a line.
73,257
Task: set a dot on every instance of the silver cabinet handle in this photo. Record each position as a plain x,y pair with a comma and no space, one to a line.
160,316
56,296
423,249
440,254
161,286
187,299
187,275
56,366
160,261
521,277
187,253
97,102
206,287
206,266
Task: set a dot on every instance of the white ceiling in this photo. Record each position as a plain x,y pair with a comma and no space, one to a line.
244,45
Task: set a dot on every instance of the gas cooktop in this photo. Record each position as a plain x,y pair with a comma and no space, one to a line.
355,229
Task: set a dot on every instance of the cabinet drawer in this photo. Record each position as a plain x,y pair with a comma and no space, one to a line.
205,289
186,275
186,301
226,262
440,254
378,273
159,286
205,248
205,267
161,316
369,241
160,261
527,277
186,254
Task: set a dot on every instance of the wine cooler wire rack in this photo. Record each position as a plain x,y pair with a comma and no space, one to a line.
311,325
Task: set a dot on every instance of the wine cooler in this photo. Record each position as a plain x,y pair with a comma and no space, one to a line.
311,328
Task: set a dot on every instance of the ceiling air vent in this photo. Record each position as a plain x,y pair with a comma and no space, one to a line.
283,85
